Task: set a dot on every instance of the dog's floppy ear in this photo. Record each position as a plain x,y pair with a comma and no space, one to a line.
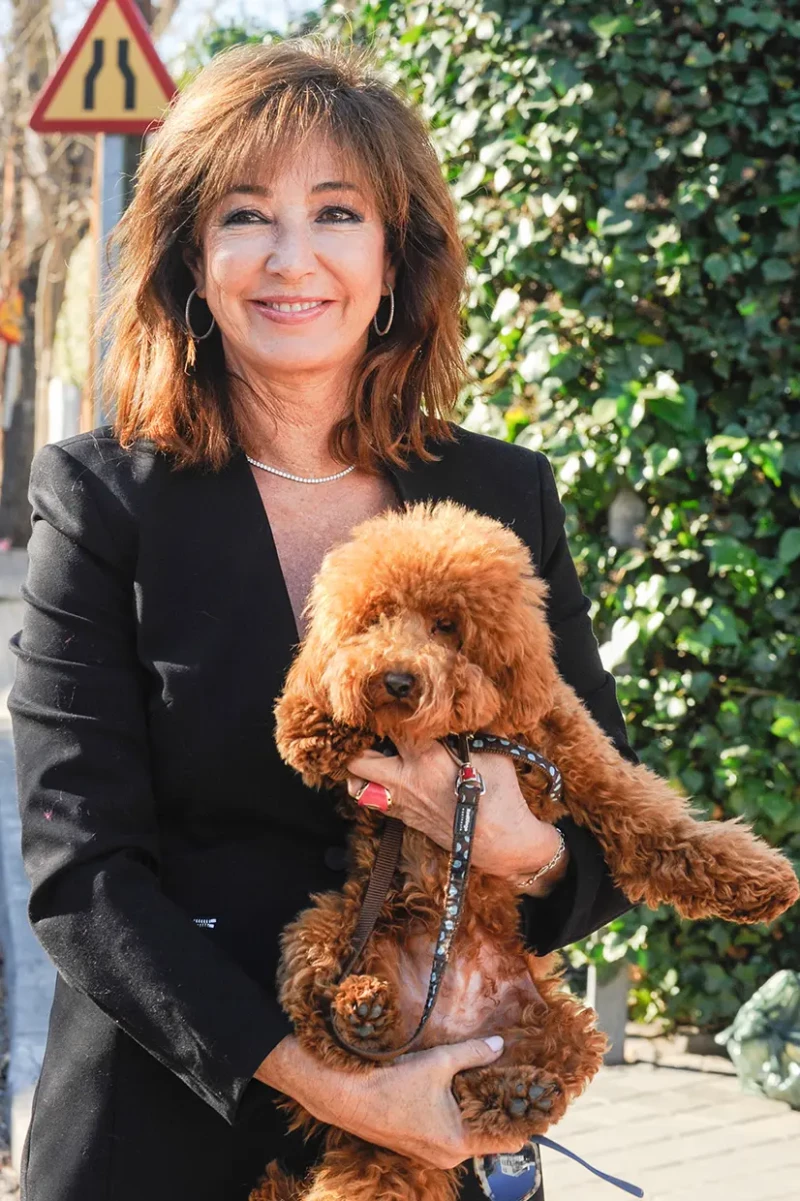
526,674
307,735
304,700
303,708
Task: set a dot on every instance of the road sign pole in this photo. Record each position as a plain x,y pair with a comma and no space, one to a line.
110,147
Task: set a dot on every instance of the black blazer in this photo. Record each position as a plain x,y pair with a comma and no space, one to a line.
166,843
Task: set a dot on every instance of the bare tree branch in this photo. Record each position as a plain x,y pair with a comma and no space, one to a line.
166,11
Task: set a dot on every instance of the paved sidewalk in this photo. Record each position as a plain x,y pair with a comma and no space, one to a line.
9,1181
681,1135
13,566
28,975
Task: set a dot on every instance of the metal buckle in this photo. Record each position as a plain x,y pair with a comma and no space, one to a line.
469,777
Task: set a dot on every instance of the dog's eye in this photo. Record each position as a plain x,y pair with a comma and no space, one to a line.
444,626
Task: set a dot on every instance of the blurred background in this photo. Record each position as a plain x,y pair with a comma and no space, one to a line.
628,187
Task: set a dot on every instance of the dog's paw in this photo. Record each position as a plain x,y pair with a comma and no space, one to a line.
502,1100
364,1010
779,890
758,904
736,877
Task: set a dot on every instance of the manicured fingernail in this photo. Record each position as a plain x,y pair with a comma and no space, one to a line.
494,1042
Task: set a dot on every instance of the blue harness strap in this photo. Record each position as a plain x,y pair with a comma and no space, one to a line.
633,1189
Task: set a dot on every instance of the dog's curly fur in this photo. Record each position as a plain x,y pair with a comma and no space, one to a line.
375,608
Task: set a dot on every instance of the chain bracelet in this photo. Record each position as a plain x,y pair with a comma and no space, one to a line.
529,880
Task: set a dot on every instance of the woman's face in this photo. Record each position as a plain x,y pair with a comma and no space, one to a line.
294,238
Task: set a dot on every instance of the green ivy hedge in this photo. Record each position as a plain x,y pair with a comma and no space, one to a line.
628,184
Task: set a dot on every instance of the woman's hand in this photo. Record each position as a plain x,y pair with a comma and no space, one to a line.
509,841
407,1106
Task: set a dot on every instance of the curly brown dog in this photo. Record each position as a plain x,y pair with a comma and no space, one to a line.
451,598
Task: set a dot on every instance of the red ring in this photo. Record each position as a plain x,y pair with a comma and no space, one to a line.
374,796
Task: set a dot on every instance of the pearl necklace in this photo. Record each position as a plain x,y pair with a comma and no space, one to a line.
301,479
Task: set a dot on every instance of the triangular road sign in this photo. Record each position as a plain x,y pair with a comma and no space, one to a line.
111,79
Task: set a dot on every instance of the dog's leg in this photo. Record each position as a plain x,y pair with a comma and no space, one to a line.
657,850
352,1170
519,1096
363,1008
313,949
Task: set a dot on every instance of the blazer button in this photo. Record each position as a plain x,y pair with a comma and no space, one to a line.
336,858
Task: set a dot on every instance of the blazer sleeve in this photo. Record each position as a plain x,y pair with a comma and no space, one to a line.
586,898
90,838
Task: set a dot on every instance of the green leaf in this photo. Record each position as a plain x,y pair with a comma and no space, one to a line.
623,636
776,806
695,146
506,305
789,546
679,411
536,364
722,625
756,92
787,721
699,56
784,727
606,25
739,15
604,410
717,146
718,267
470,178
564,75
611,222
412,35
769,19
502,178
777,270
660,235
789,175
728,226
769,457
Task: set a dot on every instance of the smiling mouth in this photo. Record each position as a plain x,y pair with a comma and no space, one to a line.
291,315
305,306
291,305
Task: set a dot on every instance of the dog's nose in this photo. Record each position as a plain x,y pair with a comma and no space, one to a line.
398,683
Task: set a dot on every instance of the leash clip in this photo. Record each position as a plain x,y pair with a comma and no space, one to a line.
469,778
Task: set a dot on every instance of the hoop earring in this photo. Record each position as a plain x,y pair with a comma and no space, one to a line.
381,332
192,334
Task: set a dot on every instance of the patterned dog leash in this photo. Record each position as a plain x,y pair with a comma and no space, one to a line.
469,787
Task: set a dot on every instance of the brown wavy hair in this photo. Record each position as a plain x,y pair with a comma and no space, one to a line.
258,103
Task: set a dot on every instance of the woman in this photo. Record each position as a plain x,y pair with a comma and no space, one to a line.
171,555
